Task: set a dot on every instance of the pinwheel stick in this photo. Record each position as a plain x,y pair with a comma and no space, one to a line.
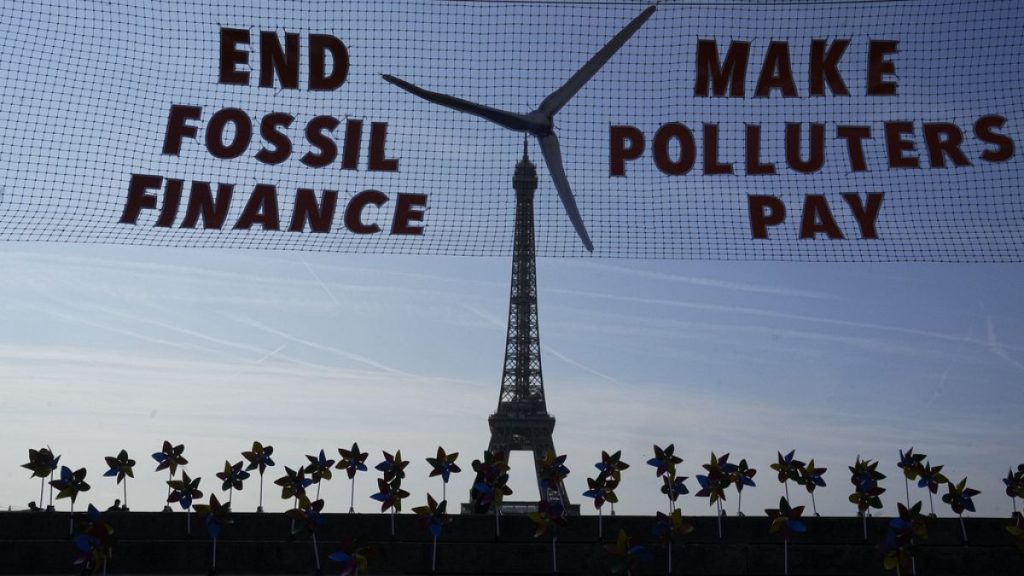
931,504
433,557
125,507
259,508
352,497
785,485
554,554
600,527
1012,499
785,556
739,503
864,517
167,503
497,525
188,521
814,505
316,553
213,564
50,505
444,491
963,529
719,502
392,522
71,520
906,484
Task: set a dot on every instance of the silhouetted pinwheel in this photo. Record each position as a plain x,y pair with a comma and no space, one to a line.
552,471
260,457
43,464
668,527
624,555
169,458
960,499
1014,482
788,469
96,544
294,483
393,466
352,558
215,515
602,489
673,487
811,478
390,495
864,476
184,491
121,466
319,469
444,465
69,485
664,461
549,516
931,478
786,520
352,461
898,547
714,484
490,485
306,518
742,476
612,465
911,464
435,516
232,477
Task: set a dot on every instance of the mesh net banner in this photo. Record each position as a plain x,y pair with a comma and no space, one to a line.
808,131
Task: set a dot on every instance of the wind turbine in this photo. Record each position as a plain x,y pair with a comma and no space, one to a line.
541,122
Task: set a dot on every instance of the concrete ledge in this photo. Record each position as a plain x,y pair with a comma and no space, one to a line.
154,542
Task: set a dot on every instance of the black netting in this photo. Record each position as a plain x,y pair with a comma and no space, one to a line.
88,88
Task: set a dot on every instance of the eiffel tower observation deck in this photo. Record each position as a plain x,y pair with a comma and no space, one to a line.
521,421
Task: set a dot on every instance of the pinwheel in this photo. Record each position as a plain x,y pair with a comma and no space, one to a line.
169,458
1014,482
786,520
811,478
898,547
1017,529
444,465
612,465
864,476
95,544
714,484
601,489
392,466
931,478
184,491
549,515
351,558
551,471
390,495
121,467
625,555
742,476
306,518
491,484
215,515
43,464
673,487
232,477
787,469
912,465
352,461
69,485
664,461
319,469
960,499
260,457
294,483
435,516
669,526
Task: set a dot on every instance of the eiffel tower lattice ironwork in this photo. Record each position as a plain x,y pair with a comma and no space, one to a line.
521,421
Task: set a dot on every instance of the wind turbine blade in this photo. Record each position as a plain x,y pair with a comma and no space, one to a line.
553,158
509,120
554,102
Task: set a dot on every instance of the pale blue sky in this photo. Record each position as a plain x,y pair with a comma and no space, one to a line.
106,348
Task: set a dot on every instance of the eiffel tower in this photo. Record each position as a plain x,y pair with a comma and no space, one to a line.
521,421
